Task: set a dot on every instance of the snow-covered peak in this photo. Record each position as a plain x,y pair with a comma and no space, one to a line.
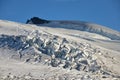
88,27
78,25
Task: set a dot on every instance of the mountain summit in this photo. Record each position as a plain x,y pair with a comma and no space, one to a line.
36,20
77,25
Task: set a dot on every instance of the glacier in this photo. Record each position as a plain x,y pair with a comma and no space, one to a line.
58,50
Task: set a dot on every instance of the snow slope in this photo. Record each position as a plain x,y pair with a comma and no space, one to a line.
85,26
58,50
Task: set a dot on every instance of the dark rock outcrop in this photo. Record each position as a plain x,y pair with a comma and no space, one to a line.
36,20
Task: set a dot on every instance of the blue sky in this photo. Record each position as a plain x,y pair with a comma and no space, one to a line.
103,12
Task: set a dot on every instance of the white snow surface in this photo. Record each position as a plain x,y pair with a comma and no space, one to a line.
60,50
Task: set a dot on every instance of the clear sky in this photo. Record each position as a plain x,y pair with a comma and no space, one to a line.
103,12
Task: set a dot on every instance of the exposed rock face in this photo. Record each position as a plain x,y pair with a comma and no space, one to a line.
36,20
